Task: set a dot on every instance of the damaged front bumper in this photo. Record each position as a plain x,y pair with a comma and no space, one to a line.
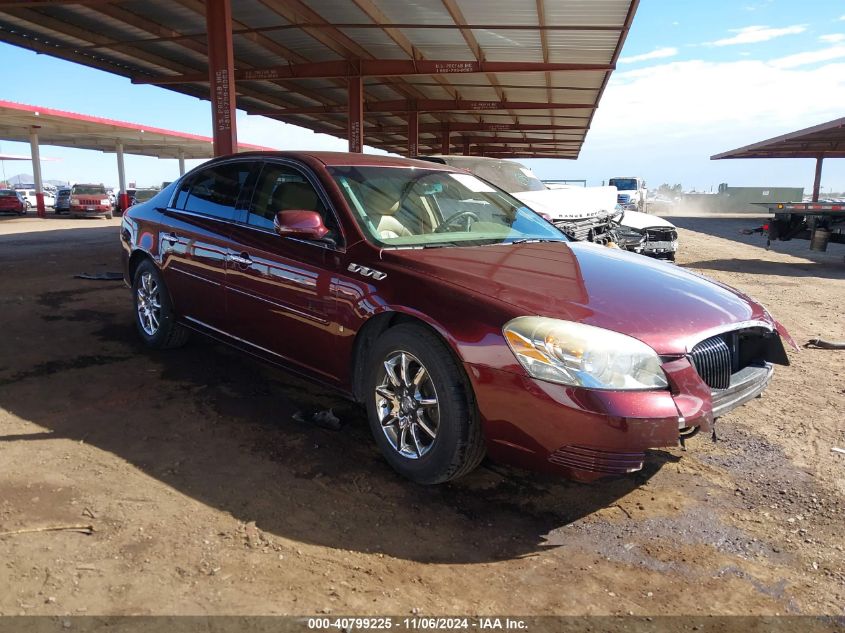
745,385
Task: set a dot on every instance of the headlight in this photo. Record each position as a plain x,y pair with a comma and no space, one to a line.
582,355
74,201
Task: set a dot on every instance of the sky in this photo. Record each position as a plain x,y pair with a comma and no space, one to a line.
694,79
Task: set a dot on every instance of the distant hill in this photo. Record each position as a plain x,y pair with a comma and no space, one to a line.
29,178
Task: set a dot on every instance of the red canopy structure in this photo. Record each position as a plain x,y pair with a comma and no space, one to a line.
37,125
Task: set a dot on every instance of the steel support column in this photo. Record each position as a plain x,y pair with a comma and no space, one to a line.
446,141
221,75
40,209
122,195
817,183
355,129
181,163
413,133
466,146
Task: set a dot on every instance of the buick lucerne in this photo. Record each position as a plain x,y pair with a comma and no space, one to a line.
464,322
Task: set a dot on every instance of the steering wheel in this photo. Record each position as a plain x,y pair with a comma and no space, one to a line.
470,218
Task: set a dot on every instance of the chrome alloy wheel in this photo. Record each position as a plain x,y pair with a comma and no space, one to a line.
148,304
406,403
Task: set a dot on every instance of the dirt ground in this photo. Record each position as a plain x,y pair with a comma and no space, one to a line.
207,497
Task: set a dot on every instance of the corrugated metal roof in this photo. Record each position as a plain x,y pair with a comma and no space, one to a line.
150,40
820,141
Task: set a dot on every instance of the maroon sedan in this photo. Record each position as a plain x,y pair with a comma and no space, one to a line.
11,202
464,322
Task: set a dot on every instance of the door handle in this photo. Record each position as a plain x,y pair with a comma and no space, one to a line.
241,260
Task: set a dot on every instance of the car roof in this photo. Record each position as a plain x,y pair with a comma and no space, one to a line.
336,159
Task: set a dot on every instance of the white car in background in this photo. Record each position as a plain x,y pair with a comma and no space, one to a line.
582,213
29,198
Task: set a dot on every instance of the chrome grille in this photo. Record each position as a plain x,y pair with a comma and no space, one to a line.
713,361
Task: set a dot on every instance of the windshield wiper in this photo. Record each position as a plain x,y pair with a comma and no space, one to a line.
533,240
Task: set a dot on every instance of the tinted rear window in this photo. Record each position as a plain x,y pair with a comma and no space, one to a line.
8,194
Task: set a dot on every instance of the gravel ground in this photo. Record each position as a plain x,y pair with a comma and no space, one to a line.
206,496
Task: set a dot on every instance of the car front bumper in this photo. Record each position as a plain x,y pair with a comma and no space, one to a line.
586,434
89,212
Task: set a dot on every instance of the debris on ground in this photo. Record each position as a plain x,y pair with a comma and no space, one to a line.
100,276
324,418
84,529
820,343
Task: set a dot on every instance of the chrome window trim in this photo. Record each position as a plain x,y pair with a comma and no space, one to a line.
322,245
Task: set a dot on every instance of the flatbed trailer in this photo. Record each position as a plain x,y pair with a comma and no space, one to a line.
819,222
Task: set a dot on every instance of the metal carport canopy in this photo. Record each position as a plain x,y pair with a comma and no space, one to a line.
70,129
820,141
38,125
409,77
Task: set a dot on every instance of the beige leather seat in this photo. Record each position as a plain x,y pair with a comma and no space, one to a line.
382,210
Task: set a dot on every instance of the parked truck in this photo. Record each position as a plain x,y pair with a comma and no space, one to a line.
582,213
631,193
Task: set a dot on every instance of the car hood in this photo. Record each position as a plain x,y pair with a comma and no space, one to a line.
664,306
638,220
574,203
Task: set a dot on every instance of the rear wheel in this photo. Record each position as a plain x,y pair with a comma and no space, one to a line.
421,407
154,316
109,215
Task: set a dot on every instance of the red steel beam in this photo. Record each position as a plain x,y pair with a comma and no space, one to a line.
514,140
446,139
413,133
528,154
356,115
427,105
817,181
221,76
436,128
375,68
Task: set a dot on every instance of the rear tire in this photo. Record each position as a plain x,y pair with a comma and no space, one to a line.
109,216
154,316
423,417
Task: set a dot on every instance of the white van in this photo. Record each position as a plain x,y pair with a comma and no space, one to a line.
31,202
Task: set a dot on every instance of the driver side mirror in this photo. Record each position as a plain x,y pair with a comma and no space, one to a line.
307,225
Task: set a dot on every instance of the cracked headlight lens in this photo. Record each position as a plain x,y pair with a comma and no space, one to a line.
581,355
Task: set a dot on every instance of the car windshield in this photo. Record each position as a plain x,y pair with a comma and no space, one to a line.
505,174
8,194
89,190
626,184
398,206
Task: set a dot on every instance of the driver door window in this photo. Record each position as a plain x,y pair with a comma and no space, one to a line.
283,188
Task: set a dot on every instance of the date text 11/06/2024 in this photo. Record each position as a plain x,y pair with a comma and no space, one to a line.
416,623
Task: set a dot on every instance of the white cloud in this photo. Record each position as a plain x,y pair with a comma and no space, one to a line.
719,101
660,53
665,121
756,34
833,38
809,57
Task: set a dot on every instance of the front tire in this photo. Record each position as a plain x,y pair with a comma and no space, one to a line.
421,407
154,316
